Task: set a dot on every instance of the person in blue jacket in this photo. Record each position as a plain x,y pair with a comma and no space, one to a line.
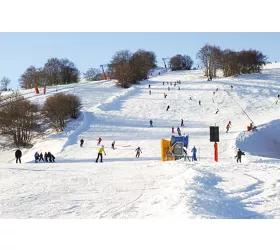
194,153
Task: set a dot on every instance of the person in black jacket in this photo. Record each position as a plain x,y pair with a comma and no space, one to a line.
239,154
81,142
18,155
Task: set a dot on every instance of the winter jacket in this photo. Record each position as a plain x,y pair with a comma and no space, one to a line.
18,154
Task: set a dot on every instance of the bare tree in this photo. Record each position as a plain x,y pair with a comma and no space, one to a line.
180,62
19,119
4,83
91,74
59,107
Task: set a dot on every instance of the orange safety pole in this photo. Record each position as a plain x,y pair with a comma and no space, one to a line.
215,151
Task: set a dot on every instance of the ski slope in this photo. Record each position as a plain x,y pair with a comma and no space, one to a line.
127,187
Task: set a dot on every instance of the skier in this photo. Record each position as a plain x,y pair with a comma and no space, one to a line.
182,122
168,88
36,156
81,142
228,126
217,111
151,123
100,151
99,141
162,83
172,130
49,156
179,88
179,131
138,151
18,155
41,157
167,108
113,145
239,154
46,157
199,102
231,87
149,85
190,98
52,158
165,95
194,153
150,92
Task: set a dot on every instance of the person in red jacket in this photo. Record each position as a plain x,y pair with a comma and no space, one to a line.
173,130
99,141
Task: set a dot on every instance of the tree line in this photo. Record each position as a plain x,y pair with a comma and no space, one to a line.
229,61
55,71
129,68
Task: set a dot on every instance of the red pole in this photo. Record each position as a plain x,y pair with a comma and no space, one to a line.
215,151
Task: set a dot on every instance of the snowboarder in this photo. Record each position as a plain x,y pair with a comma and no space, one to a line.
199,102
182,122
167,108
179,131
18,155
138,151
41,157
100,151
113,145
151,123
194,153
217,111
99,141
81,142
36,156
239,154
172,130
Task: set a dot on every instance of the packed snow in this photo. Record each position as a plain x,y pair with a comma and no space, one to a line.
124,186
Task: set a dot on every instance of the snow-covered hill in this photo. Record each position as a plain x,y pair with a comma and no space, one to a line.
124,186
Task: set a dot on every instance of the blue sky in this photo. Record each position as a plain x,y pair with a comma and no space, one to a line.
18,50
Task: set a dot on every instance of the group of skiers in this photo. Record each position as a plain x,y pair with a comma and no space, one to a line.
48,157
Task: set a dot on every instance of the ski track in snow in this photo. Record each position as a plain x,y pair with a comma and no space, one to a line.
127,187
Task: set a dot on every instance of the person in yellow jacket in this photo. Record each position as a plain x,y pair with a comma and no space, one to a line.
100,151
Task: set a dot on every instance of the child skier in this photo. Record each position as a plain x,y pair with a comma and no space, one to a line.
138,151
36,156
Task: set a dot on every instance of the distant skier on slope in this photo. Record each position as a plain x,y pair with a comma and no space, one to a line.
239,154
151,123
113,145
228,126
182,123
172,129
179,131
138,151
99,141
100,151
81,142
194,150
18,155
